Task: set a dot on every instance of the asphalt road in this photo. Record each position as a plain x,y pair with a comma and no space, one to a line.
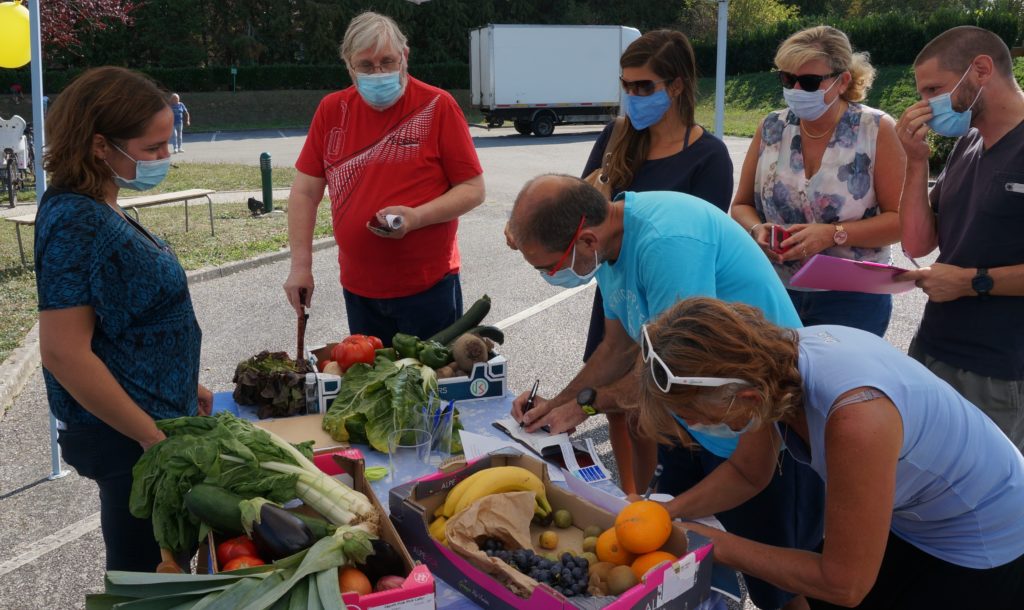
51,552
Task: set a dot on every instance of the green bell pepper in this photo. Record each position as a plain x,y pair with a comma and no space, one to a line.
434,355
407,346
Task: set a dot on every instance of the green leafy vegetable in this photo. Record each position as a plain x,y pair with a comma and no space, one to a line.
375,400
273,383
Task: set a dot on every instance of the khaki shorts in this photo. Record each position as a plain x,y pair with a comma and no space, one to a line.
1002,400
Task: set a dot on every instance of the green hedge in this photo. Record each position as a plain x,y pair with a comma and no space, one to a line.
454,75
891,39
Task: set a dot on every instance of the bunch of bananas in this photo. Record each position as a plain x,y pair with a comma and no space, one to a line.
500,479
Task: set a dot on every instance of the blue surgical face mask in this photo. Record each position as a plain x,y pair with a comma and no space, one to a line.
567,277
646,110
808,105
147,173
948,122
715,430
380,90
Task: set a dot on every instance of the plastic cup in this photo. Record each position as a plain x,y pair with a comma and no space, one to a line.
409,454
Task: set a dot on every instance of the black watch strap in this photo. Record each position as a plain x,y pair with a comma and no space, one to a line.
982,282
586,399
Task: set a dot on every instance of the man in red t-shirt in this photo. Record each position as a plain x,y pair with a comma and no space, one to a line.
389,147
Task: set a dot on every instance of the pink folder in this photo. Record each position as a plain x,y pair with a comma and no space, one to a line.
831,273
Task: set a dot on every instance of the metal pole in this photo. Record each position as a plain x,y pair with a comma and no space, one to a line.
268,184
39,131
723,34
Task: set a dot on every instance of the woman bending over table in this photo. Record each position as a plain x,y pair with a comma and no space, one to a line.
924,503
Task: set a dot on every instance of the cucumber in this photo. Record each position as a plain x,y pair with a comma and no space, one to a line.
489,332
218,508
472,318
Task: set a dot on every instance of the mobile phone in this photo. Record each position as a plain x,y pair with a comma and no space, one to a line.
778,235
391,222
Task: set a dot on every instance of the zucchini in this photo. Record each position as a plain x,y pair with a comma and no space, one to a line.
472,318
218,508
489,332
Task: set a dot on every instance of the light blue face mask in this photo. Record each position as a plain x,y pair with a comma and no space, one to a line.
948,122
380,90
716,430
646,110
148,174
566,277
808,105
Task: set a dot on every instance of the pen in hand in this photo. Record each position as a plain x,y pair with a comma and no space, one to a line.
529,401
654,481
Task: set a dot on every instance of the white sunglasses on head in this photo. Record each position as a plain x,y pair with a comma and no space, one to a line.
664,378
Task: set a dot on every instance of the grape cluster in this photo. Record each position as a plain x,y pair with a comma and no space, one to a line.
568,575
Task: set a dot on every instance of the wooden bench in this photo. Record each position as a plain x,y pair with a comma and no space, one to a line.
131,204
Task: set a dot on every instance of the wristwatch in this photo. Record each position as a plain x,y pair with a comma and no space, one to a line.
840,236
982,282
586,399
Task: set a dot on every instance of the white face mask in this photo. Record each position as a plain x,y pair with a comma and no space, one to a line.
808,105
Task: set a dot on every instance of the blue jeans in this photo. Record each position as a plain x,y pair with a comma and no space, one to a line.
176,136
422,314
870,312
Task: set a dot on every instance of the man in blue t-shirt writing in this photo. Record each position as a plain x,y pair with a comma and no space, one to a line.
647,251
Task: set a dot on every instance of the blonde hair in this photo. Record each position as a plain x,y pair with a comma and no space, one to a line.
827,43
371,30
704,337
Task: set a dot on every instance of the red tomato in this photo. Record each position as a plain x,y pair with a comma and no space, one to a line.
352,350
377,343
236,547
245,561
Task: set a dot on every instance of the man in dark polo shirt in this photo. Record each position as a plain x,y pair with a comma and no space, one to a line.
972,332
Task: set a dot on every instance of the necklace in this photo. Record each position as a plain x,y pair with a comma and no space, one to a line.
807,132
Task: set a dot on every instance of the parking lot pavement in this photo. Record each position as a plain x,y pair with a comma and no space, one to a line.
52,551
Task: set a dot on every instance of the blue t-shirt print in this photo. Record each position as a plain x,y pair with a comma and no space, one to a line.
146,331
179,110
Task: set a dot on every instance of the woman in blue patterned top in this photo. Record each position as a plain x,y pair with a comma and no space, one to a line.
118,335
829,170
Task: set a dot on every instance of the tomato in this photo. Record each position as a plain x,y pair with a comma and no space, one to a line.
245,561
377,343
236,547
352,350
320,364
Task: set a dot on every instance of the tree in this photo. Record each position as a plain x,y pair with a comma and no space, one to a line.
64,22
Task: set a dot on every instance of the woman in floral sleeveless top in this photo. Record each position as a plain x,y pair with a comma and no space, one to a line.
827,169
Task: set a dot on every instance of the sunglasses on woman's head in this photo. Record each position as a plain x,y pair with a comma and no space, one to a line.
808,82
664,378
643,88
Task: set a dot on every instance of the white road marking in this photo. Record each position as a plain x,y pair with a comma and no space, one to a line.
281,133
54,541
539,307
213,138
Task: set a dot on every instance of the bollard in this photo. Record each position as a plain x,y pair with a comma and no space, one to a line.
268,188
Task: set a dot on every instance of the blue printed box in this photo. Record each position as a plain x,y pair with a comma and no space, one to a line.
486,380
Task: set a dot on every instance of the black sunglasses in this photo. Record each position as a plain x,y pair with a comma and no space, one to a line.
643,88
808,82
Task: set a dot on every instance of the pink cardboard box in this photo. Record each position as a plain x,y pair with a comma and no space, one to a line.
684,583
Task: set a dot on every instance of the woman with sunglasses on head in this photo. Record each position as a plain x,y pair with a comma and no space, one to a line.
829,171
117,333
924,505
657,146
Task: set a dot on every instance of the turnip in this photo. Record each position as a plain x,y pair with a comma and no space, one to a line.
468,350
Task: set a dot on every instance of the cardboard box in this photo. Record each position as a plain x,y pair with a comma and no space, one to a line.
486,380
417,593
683,584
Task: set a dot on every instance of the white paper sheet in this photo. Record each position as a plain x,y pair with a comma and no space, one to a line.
479,445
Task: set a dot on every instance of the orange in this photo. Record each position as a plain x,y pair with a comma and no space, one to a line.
609,549
643,527
351,579
647,561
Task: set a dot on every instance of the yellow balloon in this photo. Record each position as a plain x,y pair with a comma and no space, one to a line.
15,43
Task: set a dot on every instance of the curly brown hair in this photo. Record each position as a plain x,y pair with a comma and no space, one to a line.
704,337
110,101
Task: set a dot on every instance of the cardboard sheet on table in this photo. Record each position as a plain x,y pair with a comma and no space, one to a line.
831,273
301,428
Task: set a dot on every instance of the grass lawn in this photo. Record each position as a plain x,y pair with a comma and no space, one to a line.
238,237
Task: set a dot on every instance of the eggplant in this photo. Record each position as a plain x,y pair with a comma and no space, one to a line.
279,533
385,561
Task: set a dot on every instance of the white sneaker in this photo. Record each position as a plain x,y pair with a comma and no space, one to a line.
181,150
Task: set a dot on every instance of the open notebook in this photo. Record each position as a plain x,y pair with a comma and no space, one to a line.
578,458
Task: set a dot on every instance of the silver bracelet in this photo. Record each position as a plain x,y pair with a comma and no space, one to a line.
751,230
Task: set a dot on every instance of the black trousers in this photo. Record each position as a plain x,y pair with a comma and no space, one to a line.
106,456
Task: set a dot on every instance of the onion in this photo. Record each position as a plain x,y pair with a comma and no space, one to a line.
387,583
